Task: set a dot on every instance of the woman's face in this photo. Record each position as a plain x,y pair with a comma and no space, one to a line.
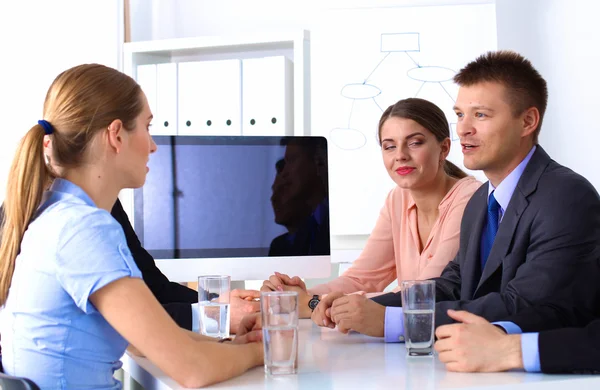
139,147
411,154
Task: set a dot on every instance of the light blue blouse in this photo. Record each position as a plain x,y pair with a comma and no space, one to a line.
51,332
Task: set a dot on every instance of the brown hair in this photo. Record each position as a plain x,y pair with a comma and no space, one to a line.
80,102
430,117
525,86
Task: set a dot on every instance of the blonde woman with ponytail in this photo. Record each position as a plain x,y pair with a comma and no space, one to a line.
418,229
73,297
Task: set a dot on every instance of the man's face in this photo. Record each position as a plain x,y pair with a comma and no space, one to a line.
490,134
295,182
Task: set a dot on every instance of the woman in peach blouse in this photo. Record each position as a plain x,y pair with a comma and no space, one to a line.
417,232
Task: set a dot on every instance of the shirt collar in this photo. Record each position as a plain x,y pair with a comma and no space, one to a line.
506,188
66,187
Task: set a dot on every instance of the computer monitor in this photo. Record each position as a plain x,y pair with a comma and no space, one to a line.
237,205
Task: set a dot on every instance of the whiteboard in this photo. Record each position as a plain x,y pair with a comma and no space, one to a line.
364,60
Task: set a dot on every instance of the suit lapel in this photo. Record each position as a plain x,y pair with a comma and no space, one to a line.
471,271
518,203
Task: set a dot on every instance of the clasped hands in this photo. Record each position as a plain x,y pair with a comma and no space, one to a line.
348,312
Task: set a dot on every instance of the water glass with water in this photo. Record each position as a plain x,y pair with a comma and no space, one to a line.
280,331
418,305
213,305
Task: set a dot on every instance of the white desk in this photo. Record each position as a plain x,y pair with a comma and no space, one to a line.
331,360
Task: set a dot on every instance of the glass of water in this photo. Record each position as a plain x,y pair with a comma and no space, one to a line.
418,303
280,331
213,305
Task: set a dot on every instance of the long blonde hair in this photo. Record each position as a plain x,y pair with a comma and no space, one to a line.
80,102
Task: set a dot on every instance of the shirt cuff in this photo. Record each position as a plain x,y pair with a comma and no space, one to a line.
531,352
509,327
394,325
195,318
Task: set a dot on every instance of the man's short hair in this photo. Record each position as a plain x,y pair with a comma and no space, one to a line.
525,86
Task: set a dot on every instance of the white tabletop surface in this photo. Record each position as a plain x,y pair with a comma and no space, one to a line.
331,360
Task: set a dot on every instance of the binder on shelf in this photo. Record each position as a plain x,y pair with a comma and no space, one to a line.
267,96
146,78
209,97
165,117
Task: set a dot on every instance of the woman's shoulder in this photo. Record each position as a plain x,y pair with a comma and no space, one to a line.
75,212
462,190
73,219
397,196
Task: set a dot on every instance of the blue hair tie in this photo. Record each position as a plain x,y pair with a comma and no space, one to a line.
48,129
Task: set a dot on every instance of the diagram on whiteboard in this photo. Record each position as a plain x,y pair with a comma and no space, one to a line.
402,43
363,61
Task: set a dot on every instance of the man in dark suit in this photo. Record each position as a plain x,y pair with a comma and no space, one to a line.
175,298
531,232
299,199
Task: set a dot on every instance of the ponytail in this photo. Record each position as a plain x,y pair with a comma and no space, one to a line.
454,171
28,178
72,109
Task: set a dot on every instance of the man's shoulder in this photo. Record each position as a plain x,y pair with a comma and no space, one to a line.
279,242
560,185
561,177
478,199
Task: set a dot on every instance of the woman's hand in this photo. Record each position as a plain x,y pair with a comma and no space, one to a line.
250,330
282,282
250,333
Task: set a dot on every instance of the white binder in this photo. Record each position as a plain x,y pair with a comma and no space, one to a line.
165,117
210,98
267,96
146,78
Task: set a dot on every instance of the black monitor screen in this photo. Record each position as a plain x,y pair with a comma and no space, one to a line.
208,197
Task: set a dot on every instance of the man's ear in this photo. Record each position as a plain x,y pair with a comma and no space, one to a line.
115,135
531,121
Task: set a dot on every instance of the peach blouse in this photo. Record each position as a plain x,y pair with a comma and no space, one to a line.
392,250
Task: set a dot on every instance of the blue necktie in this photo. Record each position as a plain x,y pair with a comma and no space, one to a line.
490,230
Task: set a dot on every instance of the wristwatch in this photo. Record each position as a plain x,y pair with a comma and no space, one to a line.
314,301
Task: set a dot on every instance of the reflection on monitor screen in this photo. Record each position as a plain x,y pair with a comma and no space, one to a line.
232,197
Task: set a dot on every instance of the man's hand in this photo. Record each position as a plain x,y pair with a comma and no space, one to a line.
359,313
249,330
282,282
475,345
321,315
242,303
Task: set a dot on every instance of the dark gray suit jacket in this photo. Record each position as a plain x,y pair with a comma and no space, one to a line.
547,244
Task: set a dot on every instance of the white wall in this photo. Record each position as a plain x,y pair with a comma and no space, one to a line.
38,40
165,19
562,39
